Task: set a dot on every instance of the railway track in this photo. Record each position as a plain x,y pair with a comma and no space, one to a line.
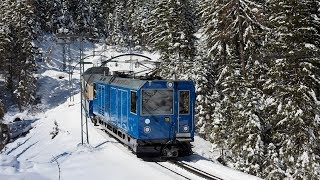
192,170
173,171
195,170
169,164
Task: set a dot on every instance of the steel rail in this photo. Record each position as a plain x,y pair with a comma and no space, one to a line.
195,170
173,171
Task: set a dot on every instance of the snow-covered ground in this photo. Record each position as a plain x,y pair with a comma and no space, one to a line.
38,155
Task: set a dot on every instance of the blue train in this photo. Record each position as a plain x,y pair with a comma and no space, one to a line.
151,116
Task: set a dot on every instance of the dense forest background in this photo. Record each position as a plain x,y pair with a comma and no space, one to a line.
256,65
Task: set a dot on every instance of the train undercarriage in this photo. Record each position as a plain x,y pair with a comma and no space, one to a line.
146,148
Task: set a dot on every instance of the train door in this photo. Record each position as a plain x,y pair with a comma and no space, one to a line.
184,112
102,100
114,105
124,110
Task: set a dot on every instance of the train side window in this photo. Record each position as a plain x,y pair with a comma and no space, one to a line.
94,90
133,102
184,102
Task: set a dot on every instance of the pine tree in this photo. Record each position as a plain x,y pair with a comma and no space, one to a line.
97,11
78,11
172,34
294,88
50,15
117,23
234,37
138,11
204,108
4,47
108,7
19,31
41,19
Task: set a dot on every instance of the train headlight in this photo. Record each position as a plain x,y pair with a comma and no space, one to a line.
147,129
147,121
166,119
186,128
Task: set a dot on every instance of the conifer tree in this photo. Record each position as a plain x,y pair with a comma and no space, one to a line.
233,35
4,52
294,88
97,12
19,32
205,100
138,11
117,24
50,15
172,34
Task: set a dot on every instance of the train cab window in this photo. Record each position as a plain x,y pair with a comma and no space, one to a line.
157,102
184,102
133,102
94,90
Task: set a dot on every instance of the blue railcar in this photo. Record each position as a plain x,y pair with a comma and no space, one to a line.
149,115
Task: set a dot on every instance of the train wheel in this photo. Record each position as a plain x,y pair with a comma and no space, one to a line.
185,150
139,155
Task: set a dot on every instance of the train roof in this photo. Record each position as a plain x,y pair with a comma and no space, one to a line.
96,70
114,80
100,74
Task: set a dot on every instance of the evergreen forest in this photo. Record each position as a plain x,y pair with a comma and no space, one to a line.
255,63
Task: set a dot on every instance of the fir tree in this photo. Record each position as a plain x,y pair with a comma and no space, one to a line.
51,15
172,34
233,34
118,24
19,31
294,88
138,11
205,98
97,11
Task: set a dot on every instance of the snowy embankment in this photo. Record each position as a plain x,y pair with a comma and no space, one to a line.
52,148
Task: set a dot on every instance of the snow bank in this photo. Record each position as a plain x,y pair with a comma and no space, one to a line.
12,169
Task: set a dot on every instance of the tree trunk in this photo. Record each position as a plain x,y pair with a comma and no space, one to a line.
241,41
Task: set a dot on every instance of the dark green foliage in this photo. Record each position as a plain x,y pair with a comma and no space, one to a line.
172,34
18,32
97,21
234,35
294,83
49,15
266,77
55,130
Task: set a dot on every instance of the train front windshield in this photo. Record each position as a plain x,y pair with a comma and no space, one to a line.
157,102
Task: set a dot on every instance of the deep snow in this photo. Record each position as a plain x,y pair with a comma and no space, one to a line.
37,156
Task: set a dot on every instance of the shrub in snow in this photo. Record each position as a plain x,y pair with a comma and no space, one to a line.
55,130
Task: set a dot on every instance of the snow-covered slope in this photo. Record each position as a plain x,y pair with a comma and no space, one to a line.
52,149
